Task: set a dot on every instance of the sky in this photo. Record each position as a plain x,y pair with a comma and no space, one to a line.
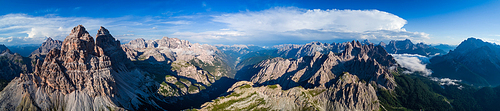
254,22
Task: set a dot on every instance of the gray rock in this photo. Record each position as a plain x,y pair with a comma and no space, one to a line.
83,75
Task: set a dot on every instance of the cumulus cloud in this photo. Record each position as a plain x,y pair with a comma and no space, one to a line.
25,29
291,23
22,28
281,19
267,27
413,62
213,36
446,81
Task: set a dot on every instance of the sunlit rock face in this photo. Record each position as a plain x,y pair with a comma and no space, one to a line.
368,62
181,67
82,75
174,49
47,46
44,49
343,81
309,49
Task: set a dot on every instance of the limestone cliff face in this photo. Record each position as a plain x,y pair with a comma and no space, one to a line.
42,51
47,46
174,49
368,62
83,75
186,71
348,94
11,65
344,81
309,49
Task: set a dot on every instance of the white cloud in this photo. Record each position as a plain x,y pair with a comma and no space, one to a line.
413,62
266,27
292,19
494,40
18,29
446,81
180,22
212,36
29,29
296,24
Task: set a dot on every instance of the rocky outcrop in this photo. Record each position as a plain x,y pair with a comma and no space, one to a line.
309,49
348,94
174,49
47,46
11,65
345,81
187,72
42,51
4,49
368,62
474,61
407,47
83,75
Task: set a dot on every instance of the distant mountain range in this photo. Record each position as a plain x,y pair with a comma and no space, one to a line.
83,73
474,61
407,47
24,50
12,64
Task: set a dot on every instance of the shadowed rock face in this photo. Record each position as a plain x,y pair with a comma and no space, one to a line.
47,46
309,49
171,50
11,65
42,51
188,73
343,81
348,93
83,75
368,62
474,61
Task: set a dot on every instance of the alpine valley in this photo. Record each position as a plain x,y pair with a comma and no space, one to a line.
84,73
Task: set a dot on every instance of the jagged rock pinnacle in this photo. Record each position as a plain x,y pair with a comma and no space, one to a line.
102,31
79,31
105,40
78,44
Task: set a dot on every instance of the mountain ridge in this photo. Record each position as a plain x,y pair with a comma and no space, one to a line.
81,76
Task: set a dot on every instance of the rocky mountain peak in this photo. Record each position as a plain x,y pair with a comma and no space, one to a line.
471,44
407,47
81,76
367,42
3,49
102,31
78,44
49,39
472,40
368,62
79,31
382,44
47,46
105,40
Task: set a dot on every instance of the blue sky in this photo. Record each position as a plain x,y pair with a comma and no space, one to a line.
254,21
